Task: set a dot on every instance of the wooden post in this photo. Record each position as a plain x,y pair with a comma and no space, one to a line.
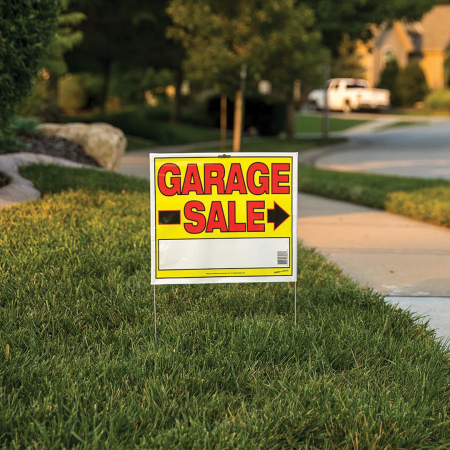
237,122
325,120
223,123
290,116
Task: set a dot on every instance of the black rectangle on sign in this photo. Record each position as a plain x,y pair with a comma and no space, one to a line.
169,217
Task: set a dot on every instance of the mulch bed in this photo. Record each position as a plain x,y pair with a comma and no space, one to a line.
53,146
3,180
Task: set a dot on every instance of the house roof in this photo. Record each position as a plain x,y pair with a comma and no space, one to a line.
431,33
436,28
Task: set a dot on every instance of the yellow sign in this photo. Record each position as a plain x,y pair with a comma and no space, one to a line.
223,218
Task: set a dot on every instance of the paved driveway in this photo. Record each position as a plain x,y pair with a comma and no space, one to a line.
416,151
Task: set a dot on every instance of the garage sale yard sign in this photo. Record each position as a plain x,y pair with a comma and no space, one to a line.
223,218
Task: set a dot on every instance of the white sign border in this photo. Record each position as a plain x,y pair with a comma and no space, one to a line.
213,280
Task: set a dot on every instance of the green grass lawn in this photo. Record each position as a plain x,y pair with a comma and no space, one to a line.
137,143
313,124
79,367
403,124
416,112
422,199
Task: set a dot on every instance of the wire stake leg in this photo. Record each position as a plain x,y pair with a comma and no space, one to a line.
295,303
154,304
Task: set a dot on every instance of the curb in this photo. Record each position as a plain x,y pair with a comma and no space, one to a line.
19,189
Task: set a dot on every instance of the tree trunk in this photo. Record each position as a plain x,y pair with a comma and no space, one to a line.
176,108
290,116
237,131
223,123
52,113
106,79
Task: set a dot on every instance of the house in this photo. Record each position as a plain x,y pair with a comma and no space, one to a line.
426,41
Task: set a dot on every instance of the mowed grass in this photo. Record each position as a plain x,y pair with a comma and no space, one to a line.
137,143
80,369
403,124
422,199
313,123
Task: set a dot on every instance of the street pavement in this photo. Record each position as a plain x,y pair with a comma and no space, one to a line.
408,261
415,151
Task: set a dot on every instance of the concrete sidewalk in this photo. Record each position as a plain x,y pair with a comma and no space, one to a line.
19,189
406,260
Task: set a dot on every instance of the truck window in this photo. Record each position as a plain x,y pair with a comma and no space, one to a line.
356,86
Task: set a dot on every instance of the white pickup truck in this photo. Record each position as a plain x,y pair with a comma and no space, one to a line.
348,94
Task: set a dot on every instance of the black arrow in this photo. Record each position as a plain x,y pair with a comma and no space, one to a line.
169,217
277,215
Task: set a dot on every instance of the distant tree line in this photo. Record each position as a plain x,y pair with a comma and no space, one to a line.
210,42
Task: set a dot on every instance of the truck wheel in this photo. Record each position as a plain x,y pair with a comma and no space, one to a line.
346,107
313,106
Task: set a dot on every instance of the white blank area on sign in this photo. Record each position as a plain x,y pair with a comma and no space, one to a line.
192,254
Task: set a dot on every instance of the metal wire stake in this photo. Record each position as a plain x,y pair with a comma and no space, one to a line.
295,303
154,304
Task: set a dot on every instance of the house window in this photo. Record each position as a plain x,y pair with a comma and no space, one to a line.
388,55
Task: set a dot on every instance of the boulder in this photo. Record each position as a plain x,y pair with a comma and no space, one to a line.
105,143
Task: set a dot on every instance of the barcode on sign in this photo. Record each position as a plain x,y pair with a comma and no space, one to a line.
282,258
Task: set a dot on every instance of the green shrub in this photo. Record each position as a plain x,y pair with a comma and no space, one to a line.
36,100
439,100
197,115
411,84
8,143
160,113
24,125
422,199
193,115
137,123
265,114
428,205
72,93
19,126
388,80
26,27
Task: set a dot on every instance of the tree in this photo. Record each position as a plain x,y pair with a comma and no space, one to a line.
334,19
222,37
411,84
26,28
348,63
292,51
118,33
106,38
388,80
163,52
64,40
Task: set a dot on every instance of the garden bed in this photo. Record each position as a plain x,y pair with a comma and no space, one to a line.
53,146
4,180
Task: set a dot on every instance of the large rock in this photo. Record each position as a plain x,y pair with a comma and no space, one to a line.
105,143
